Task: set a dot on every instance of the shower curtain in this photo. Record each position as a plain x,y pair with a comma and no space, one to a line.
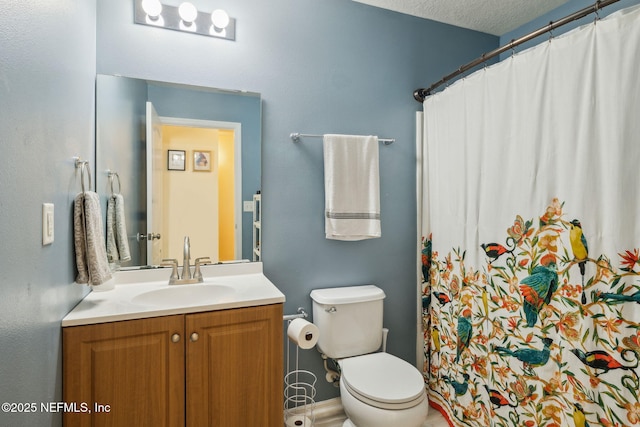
530,253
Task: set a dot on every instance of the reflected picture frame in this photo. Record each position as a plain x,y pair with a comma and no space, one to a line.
176,160
201,161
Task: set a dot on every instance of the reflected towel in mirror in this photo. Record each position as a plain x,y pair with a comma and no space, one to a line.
117,243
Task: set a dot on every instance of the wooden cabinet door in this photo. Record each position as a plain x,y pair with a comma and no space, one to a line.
132,366
235,367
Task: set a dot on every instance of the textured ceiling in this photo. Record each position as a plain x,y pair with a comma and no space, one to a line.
495,17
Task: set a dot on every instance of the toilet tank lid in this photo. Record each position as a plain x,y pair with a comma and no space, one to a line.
347,294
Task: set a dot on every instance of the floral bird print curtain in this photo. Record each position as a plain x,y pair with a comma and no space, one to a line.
537,355
530,257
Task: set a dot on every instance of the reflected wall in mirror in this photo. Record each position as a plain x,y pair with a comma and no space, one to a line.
219,132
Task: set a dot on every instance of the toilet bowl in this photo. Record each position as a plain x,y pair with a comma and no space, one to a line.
381,390
377,388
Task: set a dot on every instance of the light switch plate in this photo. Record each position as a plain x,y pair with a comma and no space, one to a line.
248,206
47,223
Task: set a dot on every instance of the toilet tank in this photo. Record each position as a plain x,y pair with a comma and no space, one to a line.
349,320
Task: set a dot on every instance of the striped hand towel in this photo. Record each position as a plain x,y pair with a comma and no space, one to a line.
352,187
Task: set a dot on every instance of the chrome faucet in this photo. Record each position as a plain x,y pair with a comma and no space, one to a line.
185,277
186,271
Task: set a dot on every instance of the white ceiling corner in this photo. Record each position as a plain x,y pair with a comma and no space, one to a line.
495,17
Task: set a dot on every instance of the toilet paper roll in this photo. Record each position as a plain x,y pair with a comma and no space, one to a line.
303,333
298,421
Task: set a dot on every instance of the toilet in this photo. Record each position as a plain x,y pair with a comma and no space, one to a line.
377,389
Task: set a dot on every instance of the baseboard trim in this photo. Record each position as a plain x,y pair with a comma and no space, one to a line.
329,413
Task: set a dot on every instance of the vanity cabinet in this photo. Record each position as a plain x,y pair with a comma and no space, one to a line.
219,368
234,367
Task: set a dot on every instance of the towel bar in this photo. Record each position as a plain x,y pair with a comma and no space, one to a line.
295,137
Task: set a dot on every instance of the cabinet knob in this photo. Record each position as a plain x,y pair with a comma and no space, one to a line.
194,337
175,337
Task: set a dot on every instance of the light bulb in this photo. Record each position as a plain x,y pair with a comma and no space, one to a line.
188,12
220,19
153,8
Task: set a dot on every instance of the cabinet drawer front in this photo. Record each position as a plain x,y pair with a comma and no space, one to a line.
135,367
234,368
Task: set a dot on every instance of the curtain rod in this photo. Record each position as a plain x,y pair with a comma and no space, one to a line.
421,94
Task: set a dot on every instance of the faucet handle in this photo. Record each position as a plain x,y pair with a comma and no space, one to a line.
197,274
171,263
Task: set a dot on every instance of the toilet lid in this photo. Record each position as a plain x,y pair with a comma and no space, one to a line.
383,380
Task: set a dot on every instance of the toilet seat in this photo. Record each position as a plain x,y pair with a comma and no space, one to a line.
383,381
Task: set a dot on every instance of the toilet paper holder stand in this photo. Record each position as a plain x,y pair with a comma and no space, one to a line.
300,386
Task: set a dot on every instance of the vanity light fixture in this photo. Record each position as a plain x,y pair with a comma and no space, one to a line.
153,10
219,22
188,14
185,17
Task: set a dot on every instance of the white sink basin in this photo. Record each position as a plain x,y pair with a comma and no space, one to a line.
143,294
185,295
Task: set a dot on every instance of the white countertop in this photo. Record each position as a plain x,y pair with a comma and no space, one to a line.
250,287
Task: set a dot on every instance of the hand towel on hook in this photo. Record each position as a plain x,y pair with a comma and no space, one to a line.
352,187
91,254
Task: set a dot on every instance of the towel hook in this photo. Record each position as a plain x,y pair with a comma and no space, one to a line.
85,170
83,164
111,175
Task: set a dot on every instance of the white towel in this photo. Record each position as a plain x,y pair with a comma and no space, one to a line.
117,243
352,187
91,254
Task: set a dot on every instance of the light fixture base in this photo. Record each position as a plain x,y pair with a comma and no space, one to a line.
170,19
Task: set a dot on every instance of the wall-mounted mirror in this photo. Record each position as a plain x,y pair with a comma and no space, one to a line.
190,168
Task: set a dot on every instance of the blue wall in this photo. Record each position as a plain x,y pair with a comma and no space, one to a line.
321,66
47,73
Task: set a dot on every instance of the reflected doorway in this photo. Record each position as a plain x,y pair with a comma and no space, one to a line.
202,200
